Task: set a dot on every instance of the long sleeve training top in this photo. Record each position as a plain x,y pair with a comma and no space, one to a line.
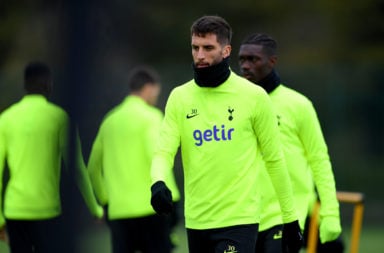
220,131
121,156
33,141
307,159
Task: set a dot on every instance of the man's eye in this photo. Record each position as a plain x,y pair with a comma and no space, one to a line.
247,59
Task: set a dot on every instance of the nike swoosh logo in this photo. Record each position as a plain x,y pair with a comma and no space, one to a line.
277,236
191,115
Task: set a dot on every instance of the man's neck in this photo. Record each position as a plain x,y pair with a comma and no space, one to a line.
212,76
270,82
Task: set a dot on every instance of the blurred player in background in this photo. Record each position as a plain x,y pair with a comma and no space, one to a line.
34,138
305,150
119,166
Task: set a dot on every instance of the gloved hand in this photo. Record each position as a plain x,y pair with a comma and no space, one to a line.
292,237
330,229
161,199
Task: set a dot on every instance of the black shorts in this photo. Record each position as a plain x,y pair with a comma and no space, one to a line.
270,240
27,236
148,234
239,239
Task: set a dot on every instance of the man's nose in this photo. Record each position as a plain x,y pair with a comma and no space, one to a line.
244,65
200,53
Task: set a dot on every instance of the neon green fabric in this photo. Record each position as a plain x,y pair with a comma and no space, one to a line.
219,130
330,229
121,156
33,141
306,154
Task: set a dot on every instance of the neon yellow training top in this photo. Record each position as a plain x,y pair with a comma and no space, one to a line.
33,141
120,160
219,130
306,153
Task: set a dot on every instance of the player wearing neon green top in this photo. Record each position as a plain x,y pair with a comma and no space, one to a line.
33,142
220,120
304,147
131,128
205,125
119,167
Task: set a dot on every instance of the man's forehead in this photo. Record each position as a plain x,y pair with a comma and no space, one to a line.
250,49
208,38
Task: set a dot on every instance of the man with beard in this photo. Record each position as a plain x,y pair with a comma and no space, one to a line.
223,123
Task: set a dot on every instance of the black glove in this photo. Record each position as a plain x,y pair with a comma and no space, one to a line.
161,199
292,237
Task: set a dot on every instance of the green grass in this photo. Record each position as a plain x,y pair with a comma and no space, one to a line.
371,239
96,240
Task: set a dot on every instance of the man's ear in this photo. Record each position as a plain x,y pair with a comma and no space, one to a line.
272,61
227,51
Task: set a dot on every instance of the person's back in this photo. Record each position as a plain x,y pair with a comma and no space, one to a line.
34,140
127,135
34,131
119,166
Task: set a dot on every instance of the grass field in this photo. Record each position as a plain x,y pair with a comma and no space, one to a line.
96,240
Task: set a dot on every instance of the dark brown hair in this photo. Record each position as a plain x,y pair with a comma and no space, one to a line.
215,25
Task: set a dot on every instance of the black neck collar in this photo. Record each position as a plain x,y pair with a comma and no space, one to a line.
270,82
212,76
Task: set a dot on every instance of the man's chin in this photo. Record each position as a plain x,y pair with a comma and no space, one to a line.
253,80
249,77
200,66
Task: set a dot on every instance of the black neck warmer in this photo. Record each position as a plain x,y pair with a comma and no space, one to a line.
212,76
270,82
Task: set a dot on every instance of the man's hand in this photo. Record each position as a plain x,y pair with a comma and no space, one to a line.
161,199
330,229
3,234
292,237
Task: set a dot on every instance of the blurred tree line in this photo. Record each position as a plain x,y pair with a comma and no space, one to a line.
332,51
